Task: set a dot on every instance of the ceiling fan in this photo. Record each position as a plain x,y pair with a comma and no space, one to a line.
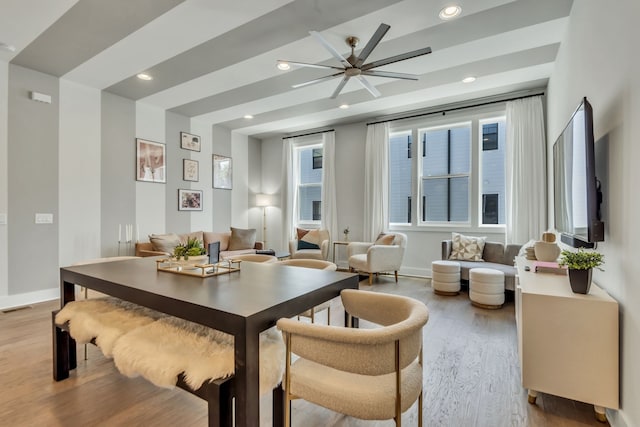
354,66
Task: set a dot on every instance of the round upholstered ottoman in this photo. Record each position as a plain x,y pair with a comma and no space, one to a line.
486,287
445,277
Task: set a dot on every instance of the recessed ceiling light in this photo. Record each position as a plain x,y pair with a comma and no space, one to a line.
344,106
144,76
248,116
469,79
10,48
284,66
450,12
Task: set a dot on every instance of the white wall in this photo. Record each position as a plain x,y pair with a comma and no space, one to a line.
598,60
150,198
79,180
4,185
202,220
240,194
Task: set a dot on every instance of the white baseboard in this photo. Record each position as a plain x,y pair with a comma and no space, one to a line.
413,271
20,300
617,418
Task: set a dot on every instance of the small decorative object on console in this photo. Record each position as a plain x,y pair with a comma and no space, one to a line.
581,265
346,233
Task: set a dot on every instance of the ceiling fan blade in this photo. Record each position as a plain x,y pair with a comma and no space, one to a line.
368,86
403,76
397,58
372,43
330,48
320,80
305,64
339,88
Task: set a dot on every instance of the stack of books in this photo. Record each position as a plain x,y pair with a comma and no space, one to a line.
530,253
549,267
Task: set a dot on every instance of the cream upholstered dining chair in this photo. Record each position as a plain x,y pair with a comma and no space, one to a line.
314,244
95,294
372,374
385,254
319,265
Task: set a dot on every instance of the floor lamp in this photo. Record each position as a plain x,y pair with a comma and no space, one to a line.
263,201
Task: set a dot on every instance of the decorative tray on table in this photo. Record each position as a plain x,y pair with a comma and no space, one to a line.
197,270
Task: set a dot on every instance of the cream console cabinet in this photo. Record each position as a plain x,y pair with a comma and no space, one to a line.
567,342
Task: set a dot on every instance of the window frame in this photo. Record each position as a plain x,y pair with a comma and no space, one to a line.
312,144
421,177
482,121
475,115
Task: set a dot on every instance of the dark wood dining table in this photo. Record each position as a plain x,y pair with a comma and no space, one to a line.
242,303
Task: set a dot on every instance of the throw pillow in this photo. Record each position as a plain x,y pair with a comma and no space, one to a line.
467,248
301,232
385,239
242,239
164,242
310,240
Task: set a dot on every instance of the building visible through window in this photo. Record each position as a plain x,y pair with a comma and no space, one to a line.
317,158
309,183
431,182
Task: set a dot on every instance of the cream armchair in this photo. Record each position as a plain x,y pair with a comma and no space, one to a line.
321,253
372,374
375,258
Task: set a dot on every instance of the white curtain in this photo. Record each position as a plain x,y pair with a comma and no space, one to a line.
289,190
329,214
376,181
526,171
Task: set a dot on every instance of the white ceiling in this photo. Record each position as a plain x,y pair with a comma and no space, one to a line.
215,60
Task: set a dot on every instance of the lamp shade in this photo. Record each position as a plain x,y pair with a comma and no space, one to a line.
263,200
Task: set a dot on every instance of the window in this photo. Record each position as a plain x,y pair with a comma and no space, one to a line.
493,178
309,183
316,210
454,173
490,137
490,209
317,158
400,177
446,170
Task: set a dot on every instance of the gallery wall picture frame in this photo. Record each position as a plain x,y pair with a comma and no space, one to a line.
189,200
151,160
189,141
222,172
190,170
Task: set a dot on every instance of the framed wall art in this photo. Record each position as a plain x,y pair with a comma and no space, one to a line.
189,200
222,172
189,141
190,170
150,161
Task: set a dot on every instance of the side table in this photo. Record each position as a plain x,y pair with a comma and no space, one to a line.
339,243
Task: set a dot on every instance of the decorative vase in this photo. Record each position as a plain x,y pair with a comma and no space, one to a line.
546,251
580,280
346,236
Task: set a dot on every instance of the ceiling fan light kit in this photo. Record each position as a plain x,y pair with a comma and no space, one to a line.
354,66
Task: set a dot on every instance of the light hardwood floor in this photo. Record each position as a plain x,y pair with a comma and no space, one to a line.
472,377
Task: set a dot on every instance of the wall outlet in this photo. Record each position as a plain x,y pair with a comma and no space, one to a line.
3,218
44,218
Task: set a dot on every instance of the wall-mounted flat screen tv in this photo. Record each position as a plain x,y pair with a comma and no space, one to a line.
577,195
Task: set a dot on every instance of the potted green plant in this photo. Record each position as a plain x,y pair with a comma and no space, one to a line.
580,265
190,251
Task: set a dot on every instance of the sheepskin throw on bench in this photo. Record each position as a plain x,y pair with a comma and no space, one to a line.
159,347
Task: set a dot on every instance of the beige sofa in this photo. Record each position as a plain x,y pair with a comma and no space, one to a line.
145,249
495,255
